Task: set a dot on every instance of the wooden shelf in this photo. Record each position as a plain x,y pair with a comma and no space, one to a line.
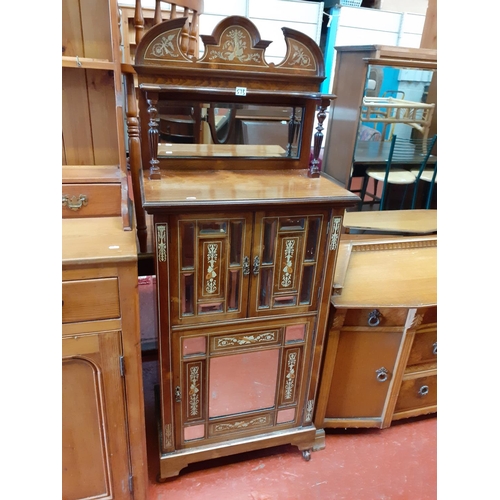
87,63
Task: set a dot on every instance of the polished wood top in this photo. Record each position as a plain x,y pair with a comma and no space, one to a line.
165,149
96,240
206,188
390,272
394,221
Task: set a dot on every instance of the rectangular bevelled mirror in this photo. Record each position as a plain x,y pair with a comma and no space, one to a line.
228,129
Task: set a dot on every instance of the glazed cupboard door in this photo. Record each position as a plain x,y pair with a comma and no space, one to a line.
95,455
209,266
288,260
235,382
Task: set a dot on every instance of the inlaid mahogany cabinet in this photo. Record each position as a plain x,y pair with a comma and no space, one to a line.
246,238
381,352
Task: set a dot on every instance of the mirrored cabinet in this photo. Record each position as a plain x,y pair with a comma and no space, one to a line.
245,230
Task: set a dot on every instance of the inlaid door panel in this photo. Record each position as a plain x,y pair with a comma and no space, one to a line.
210,260
288,256
95,456
239,381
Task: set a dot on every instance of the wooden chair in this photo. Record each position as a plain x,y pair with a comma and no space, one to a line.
134,23
403,152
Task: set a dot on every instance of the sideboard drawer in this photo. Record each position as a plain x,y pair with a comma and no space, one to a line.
424,348
88,300
417,393
91,200
376,317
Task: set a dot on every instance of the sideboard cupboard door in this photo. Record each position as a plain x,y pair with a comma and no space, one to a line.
95,455
288,260
362,376
210,265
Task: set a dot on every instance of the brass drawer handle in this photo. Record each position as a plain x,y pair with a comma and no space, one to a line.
374,318
424,390
435,348
74,203
382,374
246,266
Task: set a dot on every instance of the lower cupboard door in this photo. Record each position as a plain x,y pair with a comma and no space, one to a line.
362,374
240,383
95,458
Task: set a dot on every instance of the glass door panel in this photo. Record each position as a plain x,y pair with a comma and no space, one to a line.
212,252
287,250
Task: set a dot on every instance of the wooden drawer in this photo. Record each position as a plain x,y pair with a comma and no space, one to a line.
89,300
91,200
424,348
376,317
416,393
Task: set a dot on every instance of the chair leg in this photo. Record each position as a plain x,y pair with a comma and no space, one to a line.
401,207
384,196
363,191
414,198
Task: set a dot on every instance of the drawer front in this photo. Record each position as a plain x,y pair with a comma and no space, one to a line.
91,200
376,317
424,348
417,393
89,300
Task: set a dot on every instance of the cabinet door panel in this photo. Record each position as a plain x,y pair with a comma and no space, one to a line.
93,419
357,389
237,382
288,256
210,261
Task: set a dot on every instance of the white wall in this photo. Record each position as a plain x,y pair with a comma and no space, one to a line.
268,15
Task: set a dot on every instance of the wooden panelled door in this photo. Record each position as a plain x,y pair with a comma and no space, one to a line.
229,267
95,455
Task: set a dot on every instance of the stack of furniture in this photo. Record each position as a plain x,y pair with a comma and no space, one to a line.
246,240
103,429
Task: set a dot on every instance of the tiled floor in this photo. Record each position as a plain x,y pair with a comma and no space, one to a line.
398,463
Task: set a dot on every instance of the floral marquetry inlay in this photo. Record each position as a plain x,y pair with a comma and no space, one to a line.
246,339
161,242
241,424
211,275
236,47
335,234
286,279
194,390
309,410
290,376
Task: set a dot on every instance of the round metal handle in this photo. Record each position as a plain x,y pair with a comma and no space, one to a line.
382,374
374,318
424,390
435,348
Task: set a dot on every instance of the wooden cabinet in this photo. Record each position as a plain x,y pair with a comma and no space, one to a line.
381,350
246,239
374,71
103,434
92,103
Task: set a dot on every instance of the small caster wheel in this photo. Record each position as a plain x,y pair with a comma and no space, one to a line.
306,454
